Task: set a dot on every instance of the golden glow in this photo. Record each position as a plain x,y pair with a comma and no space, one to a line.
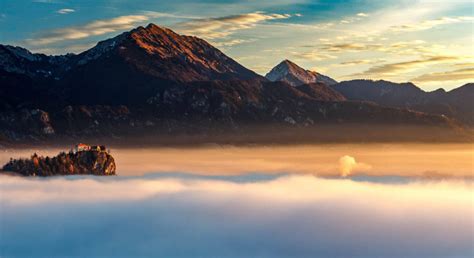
431,160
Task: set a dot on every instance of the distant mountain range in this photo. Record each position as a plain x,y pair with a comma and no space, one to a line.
152,80
456,103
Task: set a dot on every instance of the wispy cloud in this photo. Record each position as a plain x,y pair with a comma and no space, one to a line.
220,27
405,47
429,24
394,68
312,55
455,75
232,42
65,11
95,28
358,62
355,18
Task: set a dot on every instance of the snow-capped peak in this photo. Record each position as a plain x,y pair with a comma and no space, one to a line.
294,75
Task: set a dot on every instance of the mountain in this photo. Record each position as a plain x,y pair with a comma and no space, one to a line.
161,53
155,51
151,81
125,69
19,60
455,103
291,73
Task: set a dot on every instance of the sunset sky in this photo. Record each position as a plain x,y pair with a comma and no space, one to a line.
427,42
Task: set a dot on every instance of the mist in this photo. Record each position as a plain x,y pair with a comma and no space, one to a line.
199,216
396,159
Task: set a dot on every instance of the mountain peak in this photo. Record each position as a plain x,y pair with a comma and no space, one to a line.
288,65
287,62
293,74
153,29
162,53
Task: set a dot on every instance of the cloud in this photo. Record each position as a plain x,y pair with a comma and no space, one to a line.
292,216
342,47
356,62
232,42
394,68
352,19
211,28
220,27
348,165
429,24
312,55
95,28
401,47
65,11
455,75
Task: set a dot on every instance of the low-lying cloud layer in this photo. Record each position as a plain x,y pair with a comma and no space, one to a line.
291,216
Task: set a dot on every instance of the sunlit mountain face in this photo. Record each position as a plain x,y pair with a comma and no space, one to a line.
236,128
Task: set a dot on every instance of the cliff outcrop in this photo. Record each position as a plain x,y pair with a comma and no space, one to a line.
91,162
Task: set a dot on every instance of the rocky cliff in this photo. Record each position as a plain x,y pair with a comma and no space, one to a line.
80,163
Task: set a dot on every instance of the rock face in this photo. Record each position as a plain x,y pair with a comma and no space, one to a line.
294,75
97,163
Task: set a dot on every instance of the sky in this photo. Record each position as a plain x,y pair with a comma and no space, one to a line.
426,42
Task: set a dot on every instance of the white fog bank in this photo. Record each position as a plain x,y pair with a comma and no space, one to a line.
288,216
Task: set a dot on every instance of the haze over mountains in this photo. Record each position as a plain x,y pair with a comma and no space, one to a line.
152,80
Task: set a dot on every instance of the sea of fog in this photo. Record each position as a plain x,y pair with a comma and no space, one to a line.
283,201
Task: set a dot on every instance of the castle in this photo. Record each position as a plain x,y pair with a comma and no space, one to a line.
84,147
